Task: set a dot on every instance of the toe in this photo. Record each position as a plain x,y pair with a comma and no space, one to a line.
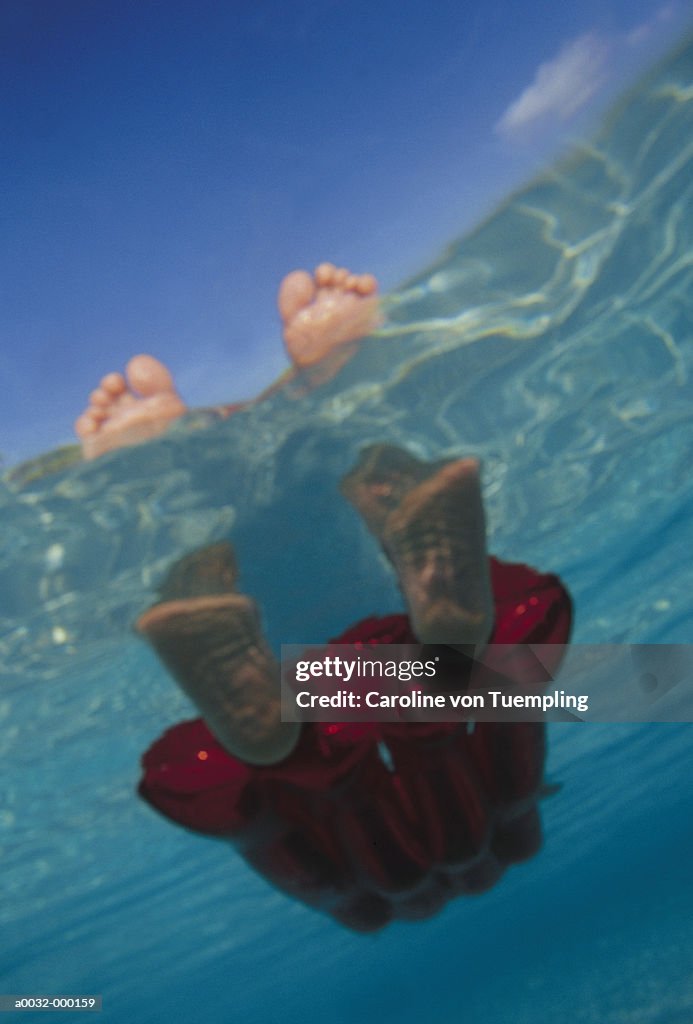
366,284
148,376
100,398
86,425
325,273
113,384
296,291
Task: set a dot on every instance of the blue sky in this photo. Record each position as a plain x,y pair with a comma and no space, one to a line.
165,163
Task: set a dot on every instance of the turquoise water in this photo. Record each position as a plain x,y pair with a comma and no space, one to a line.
555,342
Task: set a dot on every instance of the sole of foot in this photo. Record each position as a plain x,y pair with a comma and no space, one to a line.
129,409
325,314
213,645
430,522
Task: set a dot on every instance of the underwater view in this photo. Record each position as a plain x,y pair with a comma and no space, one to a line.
554,343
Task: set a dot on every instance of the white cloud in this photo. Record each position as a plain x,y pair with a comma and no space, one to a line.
560,87
641,33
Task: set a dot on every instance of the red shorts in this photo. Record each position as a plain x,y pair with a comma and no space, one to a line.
375,822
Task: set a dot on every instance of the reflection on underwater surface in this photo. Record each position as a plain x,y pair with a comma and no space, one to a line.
555,343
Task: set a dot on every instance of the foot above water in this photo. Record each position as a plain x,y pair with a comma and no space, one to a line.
323,317
326,311
126,410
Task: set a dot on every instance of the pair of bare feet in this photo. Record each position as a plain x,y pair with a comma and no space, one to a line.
323,317
428,518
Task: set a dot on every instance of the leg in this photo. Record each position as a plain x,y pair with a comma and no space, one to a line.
127,410
210,638
429,519
325,315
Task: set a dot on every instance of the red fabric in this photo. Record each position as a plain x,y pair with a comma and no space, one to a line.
373,822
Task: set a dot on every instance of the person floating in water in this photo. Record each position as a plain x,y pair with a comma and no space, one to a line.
324,315
368,822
